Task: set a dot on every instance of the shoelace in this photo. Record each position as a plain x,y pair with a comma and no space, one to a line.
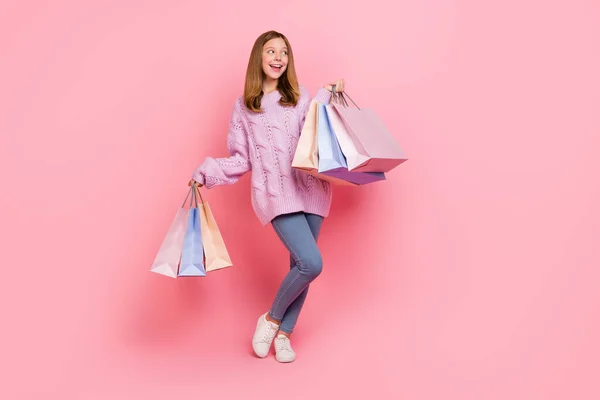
269,333
283,344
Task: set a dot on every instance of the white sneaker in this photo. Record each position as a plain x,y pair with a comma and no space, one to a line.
263,336
283,349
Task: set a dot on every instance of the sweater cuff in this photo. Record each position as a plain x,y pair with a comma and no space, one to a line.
198,177
323,96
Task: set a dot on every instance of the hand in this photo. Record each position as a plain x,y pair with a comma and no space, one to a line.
191,182
339,86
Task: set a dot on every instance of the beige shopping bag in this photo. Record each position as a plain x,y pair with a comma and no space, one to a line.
215,250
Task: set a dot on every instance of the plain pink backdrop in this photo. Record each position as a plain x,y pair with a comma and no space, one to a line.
472,273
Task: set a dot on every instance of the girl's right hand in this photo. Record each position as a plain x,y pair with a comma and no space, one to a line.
191,182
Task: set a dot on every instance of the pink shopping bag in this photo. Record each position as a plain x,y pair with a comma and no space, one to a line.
365,140
168,257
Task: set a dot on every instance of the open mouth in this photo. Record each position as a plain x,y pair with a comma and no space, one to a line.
276,67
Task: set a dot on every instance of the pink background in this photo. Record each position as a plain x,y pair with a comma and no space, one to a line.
472,273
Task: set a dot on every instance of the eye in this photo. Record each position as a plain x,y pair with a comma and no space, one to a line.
285,52
269,51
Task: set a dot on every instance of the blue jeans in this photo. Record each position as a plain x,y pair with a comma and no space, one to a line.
299,233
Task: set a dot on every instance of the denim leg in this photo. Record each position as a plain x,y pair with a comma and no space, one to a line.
293,311
296,234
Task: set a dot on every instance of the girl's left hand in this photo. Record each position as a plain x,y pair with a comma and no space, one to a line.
339,86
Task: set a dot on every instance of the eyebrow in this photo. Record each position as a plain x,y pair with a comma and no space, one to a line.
271,47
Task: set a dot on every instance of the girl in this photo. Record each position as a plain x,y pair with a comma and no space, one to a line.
263,133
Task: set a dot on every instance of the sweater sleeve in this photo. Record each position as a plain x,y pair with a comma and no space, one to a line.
226,171
323,96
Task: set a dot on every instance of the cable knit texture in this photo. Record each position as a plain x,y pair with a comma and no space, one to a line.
264,143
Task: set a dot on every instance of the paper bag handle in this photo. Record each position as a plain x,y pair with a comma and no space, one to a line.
199,194
193,198
340,98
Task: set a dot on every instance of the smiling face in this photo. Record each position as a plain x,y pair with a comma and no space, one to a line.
271,68
274,58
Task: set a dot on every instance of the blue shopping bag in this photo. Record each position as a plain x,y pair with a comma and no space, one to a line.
192,254
330,154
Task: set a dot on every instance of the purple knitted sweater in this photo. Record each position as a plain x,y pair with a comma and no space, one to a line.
265,143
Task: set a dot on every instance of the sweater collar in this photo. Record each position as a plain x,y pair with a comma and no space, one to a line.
271,97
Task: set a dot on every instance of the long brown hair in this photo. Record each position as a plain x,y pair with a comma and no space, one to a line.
288,82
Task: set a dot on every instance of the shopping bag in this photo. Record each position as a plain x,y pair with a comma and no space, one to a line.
192,254
378,149
353,151
331,159
330,153
169,253
306,158
215,252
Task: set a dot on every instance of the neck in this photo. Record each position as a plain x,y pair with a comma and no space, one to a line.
269,85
